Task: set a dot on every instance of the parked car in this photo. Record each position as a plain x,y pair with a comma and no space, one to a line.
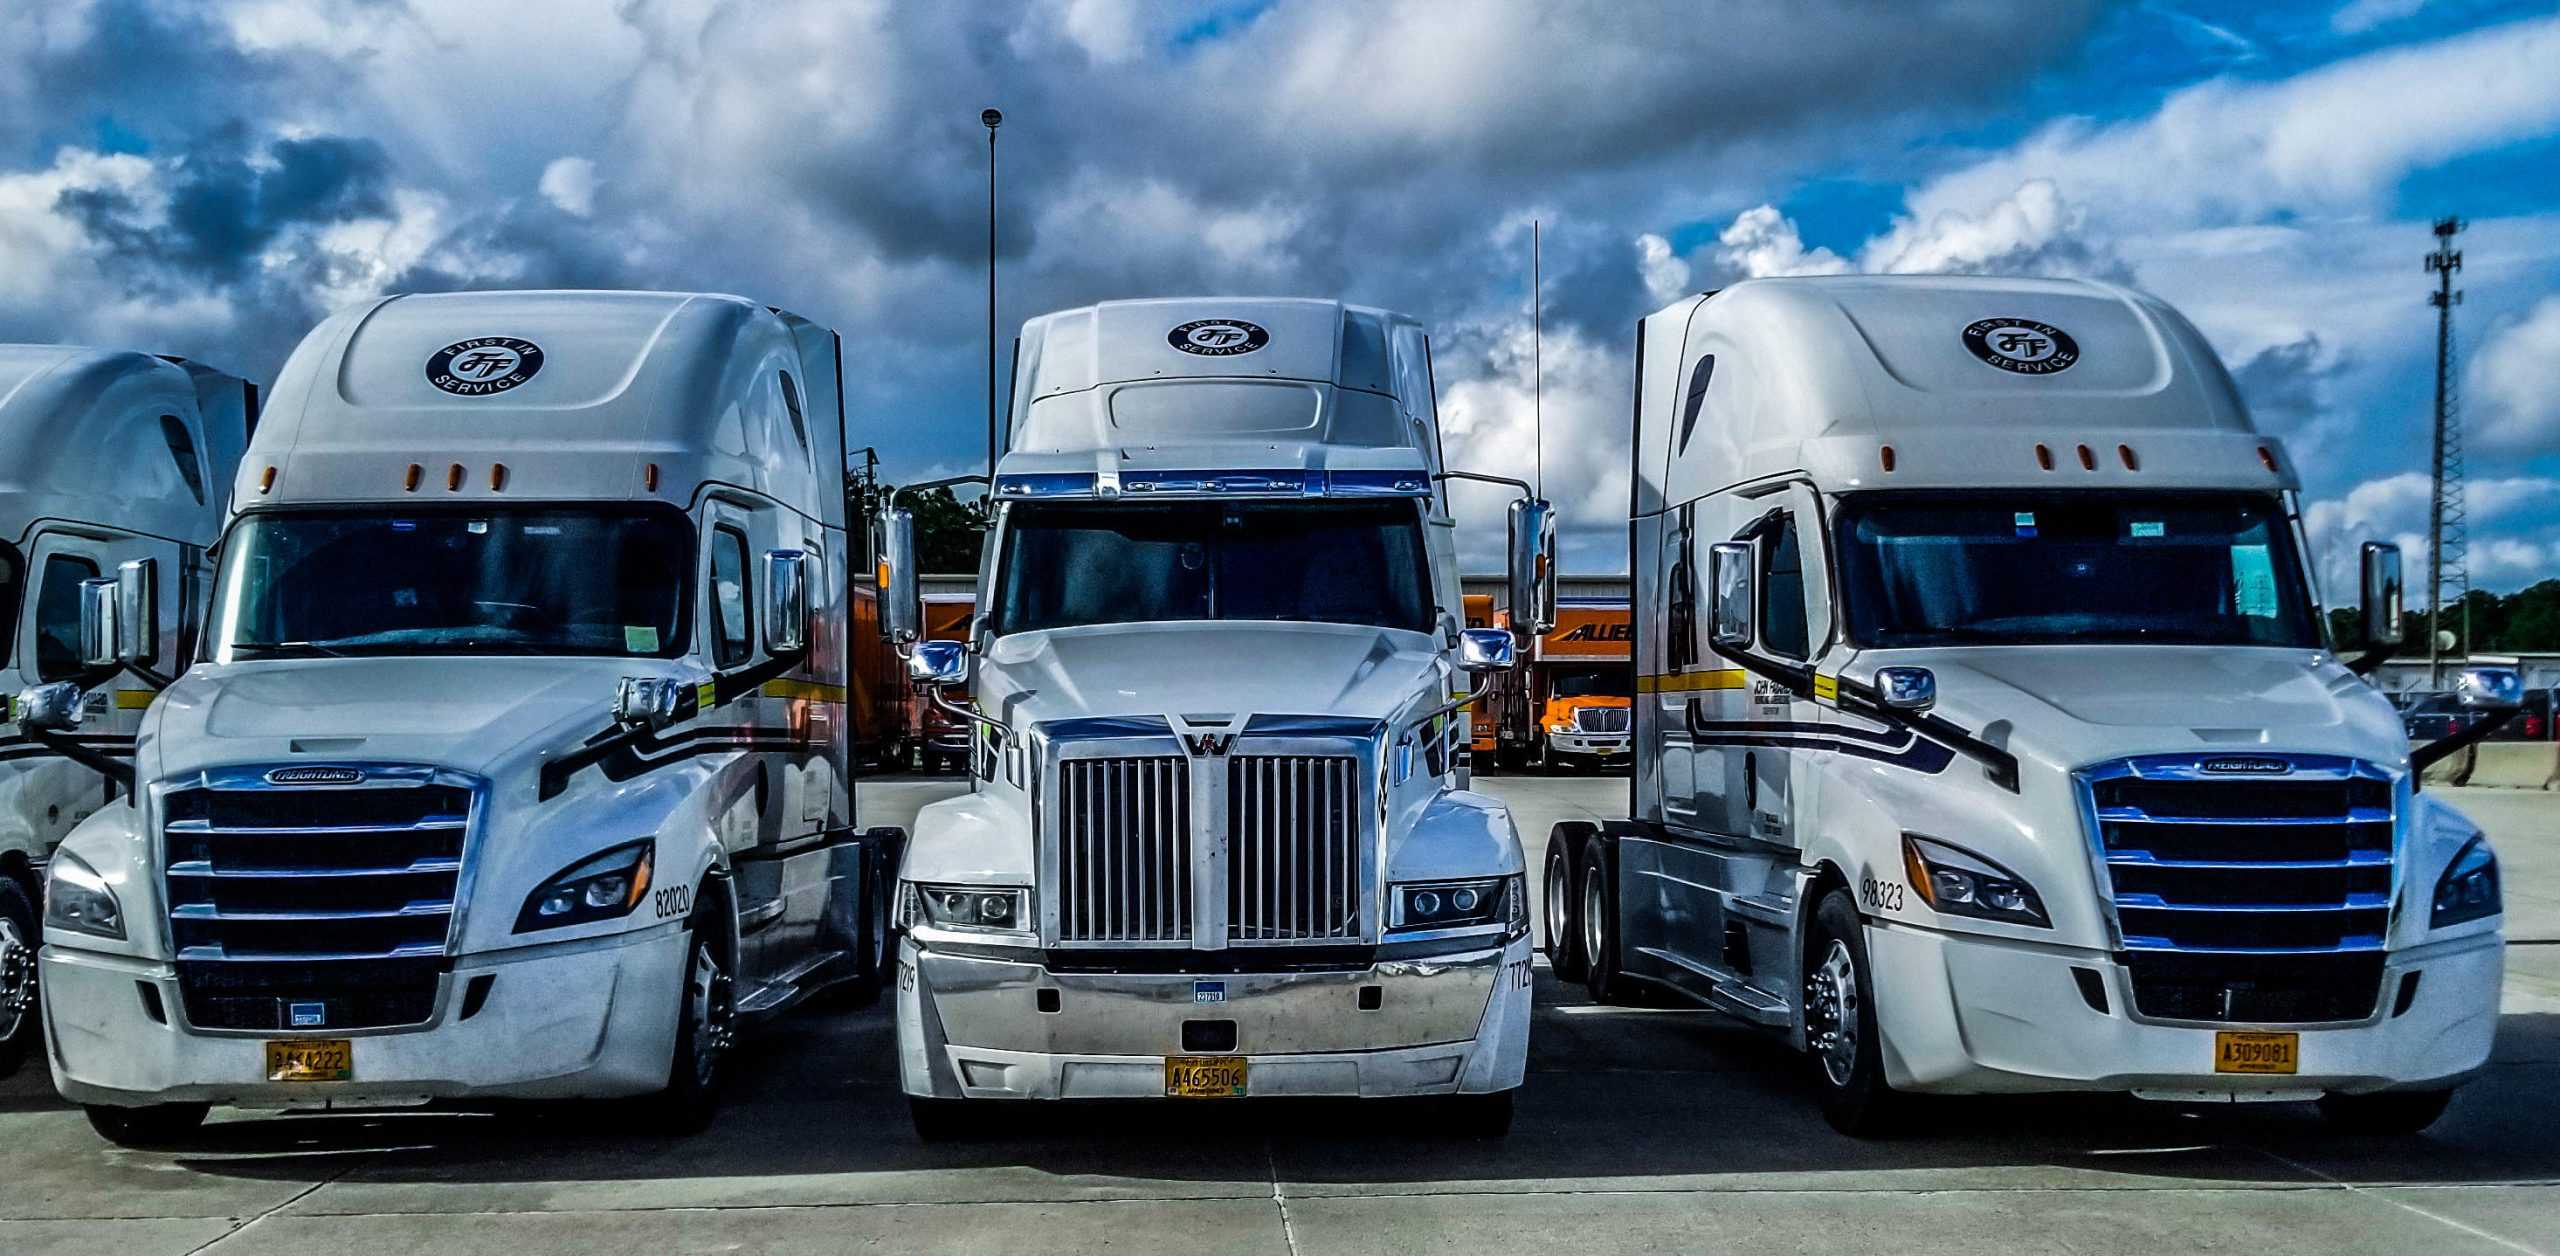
2438,714
2534,719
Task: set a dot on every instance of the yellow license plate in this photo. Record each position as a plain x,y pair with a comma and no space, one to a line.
311,1060
1204,1077
2256,1053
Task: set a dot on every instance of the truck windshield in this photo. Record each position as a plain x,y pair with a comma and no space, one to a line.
533,581
1319,562
1614,682
2007,568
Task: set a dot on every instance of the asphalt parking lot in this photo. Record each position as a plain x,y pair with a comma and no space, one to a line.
1641,1130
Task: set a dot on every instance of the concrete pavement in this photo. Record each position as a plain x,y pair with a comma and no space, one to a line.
1641,1130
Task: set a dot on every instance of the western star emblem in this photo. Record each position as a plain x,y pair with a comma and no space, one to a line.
1211,744
2022,346
1218,337
315,776
484,366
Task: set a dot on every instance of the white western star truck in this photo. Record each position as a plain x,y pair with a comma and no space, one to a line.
1989,736
515,764
1218,844
114,461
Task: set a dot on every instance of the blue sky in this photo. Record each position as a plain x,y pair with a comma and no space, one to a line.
210,178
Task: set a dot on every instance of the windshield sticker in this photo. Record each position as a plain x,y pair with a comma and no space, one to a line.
2021,346
2143,529
640,638
2026,522
2253,581
484,366
1218,337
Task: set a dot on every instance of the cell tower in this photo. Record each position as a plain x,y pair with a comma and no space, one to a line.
2448,524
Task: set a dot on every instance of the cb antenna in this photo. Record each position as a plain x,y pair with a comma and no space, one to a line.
1537,356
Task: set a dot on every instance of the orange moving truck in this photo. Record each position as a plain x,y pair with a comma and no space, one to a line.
1568,702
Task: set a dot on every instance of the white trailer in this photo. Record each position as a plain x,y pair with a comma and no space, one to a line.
109,459
1989,737
1218,843
516,764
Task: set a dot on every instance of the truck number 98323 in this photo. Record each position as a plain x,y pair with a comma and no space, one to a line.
1880,895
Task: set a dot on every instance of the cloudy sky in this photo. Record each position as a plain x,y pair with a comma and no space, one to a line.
209,179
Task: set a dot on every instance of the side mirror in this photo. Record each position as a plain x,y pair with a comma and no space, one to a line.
1482,650
2379,607
1533,565
786,601
101,636
58,706
647,702
1912,689
901,598
939,663
2490,688
1729,570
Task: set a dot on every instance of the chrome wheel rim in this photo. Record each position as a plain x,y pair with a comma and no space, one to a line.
1554,902
710,1006
1594,911
1831,1013
17,979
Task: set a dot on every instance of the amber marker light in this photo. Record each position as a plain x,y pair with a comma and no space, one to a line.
497,476
267,481
2124,454
409,482
649,477
2044,457
453,478
2088,461
1885,455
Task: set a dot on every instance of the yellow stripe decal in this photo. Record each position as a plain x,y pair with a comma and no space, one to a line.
810,689
1690,682
1826,688
135,699
706,695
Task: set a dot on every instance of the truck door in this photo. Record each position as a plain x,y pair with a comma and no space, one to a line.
1686,665
47,794
1766,781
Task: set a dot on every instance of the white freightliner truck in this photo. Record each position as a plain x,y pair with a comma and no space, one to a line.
1218,843
109,459
1989,737
515,763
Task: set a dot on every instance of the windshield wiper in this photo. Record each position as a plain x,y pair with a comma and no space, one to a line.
276,649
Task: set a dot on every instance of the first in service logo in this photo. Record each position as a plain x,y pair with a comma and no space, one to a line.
2022,346
484,365
1218,337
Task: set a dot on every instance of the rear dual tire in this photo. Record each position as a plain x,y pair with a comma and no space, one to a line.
20,1014
1561,910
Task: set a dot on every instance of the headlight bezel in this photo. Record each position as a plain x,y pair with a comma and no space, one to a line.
634,863
69,871
962,908
2476,866
1501,902
1954,881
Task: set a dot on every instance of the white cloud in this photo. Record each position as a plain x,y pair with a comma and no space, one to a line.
569,183
2395,508
2359,16
1761,242
1666,277
2513,386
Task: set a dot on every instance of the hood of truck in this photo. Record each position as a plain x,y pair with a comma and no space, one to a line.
467,714
2075,705
1194,670
1569,708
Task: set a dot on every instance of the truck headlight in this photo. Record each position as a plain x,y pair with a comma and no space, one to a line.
78,900
1958,882
603,887
2469,888
993,908
1459,904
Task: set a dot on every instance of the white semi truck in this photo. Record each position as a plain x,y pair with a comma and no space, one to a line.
109,460
1218,842
1989,736
515,764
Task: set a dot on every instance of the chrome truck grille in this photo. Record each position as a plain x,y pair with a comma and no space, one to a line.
2248,888
1293,848
1259,839
334,899
1124,849
1601,719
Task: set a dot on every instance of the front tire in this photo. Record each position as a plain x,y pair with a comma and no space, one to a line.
1599,926
1478,1117
706,1028
157,1125
937,1120
1562,910
20,935
2391,1113
1840,1023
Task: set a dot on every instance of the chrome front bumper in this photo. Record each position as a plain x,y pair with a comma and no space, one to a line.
1596,745
971,1026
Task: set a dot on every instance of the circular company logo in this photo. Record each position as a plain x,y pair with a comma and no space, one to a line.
2022,346
1218,337
484,365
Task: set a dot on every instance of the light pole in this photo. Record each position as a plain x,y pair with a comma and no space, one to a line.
991,119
